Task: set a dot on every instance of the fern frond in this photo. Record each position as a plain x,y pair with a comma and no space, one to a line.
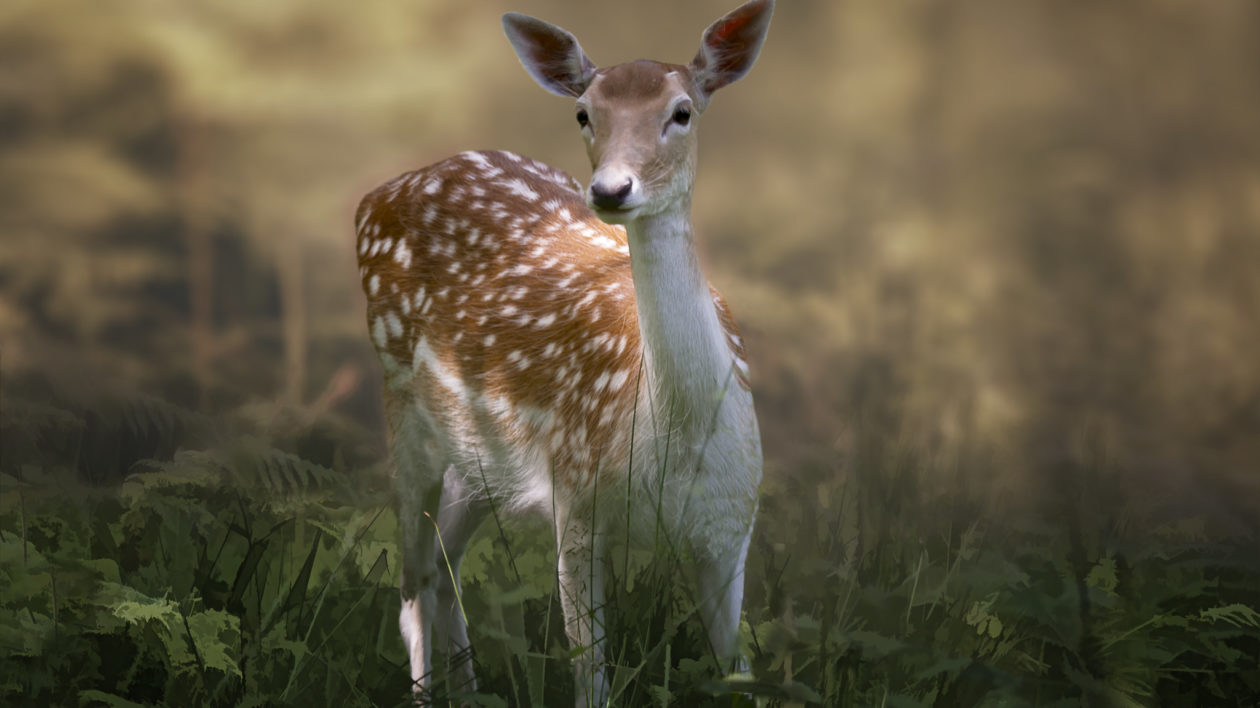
1236,614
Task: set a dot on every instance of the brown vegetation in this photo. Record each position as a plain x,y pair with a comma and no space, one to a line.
1029,229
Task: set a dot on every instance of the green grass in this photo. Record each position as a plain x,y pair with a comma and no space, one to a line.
234,572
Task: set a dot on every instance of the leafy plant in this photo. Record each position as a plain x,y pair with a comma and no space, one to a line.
242,573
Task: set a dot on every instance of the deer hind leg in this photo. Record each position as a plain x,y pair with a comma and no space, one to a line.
417,451
461,513
721,584
579,552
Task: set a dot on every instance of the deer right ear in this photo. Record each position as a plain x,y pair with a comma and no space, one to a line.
550,54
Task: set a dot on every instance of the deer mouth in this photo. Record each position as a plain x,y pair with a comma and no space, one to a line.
616,214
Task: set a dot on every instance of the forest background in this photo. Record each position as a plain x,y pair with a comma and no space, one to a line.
997,265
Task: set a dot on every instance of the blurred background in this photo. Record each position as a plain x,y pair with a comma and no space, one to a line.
1021,240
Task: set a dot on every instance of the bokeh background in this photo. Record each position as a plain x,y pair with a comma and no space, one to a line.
997,265
1028,230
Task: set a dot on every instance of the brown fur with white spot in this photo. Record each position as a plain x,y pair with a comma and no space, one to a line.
529,300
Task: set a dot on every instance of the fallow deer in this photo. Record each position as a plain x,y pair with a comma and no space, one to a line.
550,347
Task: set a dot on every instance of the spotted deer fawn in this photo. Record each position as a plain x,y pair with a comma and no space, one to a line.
550,347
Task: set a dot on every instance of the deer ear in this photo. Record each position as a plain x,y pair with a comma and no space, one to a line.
730,46
550,54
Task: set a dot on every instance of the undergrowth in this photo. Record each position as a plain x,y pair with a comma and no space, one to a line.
191,561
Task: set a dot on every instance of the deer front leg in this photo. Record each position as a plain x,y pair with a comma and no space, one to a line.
721,585
582,597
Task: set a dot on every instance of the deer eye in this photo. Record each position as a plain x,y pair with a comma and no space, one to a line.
682,116
582,118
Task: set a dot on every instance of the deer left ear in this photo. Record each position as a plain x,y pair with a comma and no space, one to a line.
730,46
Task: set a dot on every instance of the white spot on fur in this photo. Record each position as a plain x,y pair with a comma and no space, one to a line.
606,417
517,186
378,333
476,158
394,324
402,255
500,406
617,380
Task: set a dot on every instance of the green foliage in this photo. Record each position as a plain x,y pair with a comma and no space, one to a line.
224,576
1032,611
244,574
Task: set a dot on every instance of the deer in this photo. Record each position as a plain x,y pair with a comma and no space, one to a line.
552,348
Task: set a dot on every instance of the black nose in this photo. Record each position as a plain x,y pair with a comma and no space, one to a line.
603,197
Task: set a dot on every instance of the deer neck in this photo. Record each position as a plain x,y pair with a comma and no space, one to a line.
685,349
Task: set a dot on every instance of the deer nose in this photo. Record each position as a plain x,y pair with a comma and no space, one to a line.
604,196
